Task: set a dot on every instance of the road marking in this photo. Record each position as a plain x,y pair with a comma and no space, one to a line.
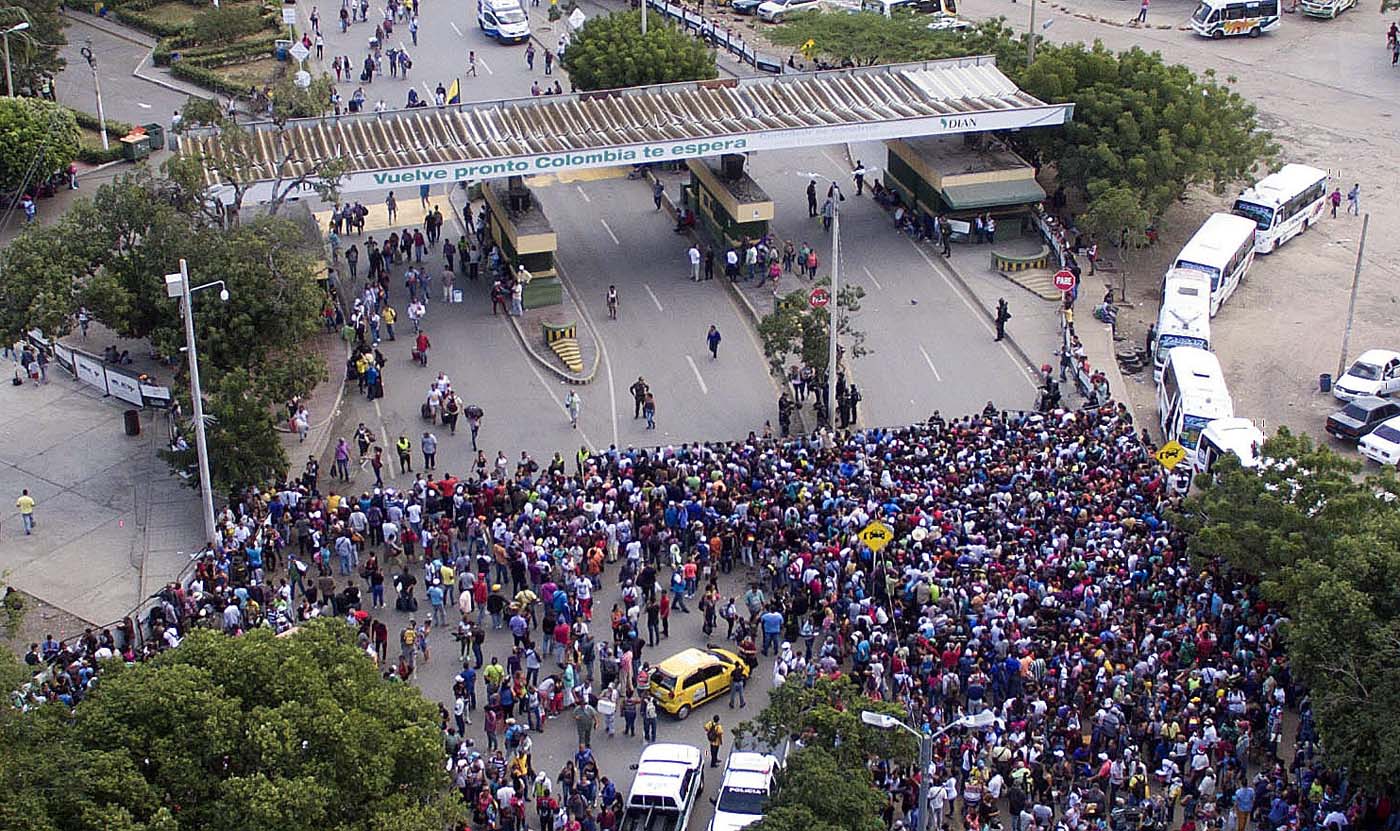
986,324
929,361
484,65
840,163
559,402
432,93
872,278
602,345
693,368
653,297
581,193
455,29
143,105
609,229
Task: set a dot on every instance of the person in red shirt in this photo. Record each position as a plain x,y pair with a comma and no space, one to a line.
421,347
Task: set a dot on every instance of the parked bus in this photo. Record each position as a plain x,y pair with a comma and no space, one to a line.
1222,248
1184,318
1191,395
1229,18
1283,204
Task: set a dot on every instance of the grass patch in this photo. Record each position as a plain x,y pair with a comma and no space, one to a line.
253,73
173,14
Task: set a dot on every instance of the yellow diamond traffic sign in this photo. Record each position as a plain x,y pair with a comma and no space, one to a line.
876,535
1171,454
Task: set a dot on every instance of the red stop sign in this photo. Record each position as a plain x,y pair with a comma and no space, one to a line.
819,297
1064,280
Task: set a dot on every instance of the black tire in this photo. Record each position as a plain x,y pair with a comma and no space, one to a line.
1255,32
1217,34
683,713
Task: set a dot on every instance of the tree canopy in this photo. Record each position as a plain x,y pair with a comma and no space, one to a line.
34,52
38,138
818,793
293,733
1325,543
610,51
826,715
796,330
869,39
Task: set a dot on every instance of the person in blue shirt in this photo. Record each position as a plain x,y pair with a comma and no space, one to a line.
772,622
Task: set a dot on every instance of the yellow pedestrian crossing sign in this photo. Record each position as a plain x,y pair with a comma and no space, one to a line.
1171,454
876,535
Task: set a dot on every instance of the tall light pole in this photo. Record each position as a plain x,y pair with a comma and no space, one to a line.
1030,38
86,52
178,285
9,81
1351,306
981,718
644,17
837,198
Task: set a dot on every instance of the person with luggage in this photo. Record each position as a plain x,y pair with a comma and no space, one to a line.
421,345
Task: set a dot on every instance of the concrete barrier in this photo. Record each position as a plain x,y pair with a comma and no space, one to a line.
1009,262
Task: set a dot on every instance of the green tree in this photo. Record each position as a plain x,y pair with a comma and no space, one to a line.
818,793
241,434
868,39
225,24
610,51
295,733
34,52
1116,215
827,716
796,330
1325,543
38,138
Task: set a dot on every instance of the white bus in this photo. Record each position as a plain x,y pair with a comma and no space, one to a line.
1191,395
1283,204
1218,19
1184,318
1224,249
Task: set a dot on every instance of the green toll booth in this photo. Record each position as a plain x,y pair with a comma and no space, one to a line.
961,176
520,227
727,201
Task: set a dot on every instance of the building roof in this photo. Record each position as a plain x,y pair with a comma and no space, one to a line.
655,123
992,194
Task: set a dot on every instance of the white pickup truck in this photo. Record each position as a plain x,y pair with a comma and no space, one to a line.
668,783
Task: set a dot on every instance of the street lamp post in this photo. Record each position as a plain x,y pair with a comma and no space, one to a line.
178,285
86,52
981,718
9,81
835,305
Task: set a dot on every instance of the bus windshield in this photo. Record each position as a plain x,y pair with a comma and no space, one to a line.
1262,216
1205,269
510,16
1166,342
1191,427
1202,13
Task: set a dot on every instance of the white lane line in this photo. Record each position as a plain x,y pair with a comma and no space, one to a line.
872,278
986,324
432,93
582,193
484,65
602,345
559,402
929,361
143,105
455,29
840,163
659,307
704,388
609,229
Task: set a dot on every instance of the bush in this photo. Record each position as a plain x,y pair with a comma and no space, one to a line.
137,20
206,78
88,121
96,155
226,24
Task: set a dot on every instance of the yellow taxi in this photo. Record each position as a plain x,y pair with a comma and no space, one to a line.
691,677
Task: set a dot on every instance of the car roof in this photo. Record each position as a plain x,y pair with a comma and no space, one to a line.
1370,402
687,660
1378,356
745,761
1371,438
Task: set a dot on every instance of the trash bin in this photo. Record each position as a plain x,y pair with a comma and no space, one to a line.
1324,382
135,147
281,49
156,134
132,420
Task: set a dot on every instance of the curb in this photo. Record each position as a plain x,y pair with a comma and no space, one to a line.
119,32
563,375
967,290
116,30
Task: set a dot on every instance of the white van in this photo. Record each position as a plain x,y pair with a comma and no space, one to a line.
1218,19
1229,435
503,20
748,785
1222,247
1191,395
1184,319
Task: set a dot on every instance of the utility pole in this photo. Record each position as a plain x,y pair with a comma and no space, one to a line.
835,305
184,292
1030,38
1351,306
644,18
9,81
86,52
925,773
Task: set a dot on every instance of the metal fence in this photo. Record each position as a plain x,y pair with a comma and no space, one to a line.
720,38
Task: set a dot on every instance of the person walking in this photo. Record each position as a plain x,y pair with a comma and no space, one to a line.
1142,12
1003,315
694,254
585,720
712,339
1354,199
714,733
572,404
1335,198
649,719
429,446
812,199
639,390
859,175
657,191
474,415
404,448
392,205
736,689
25,503
612,302
649,411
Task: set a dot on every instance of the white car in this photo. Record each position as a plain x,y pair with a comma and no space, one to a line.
1376,372
947,23
1382,445
773,11
745,790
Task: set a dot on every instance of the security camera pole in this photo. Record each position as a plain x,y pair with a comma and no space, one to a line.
882,721
86,52
178,285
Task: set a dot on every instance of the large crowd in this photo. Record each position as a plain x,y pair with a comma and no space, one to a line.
1035,572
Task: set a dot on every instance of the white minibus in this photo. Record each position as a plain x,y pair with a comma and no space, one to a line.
1218,19
1191,395
1224,249
1184,317
1283,204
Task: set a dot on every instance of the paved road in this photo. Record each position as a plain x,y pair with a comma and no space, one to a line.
125,97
